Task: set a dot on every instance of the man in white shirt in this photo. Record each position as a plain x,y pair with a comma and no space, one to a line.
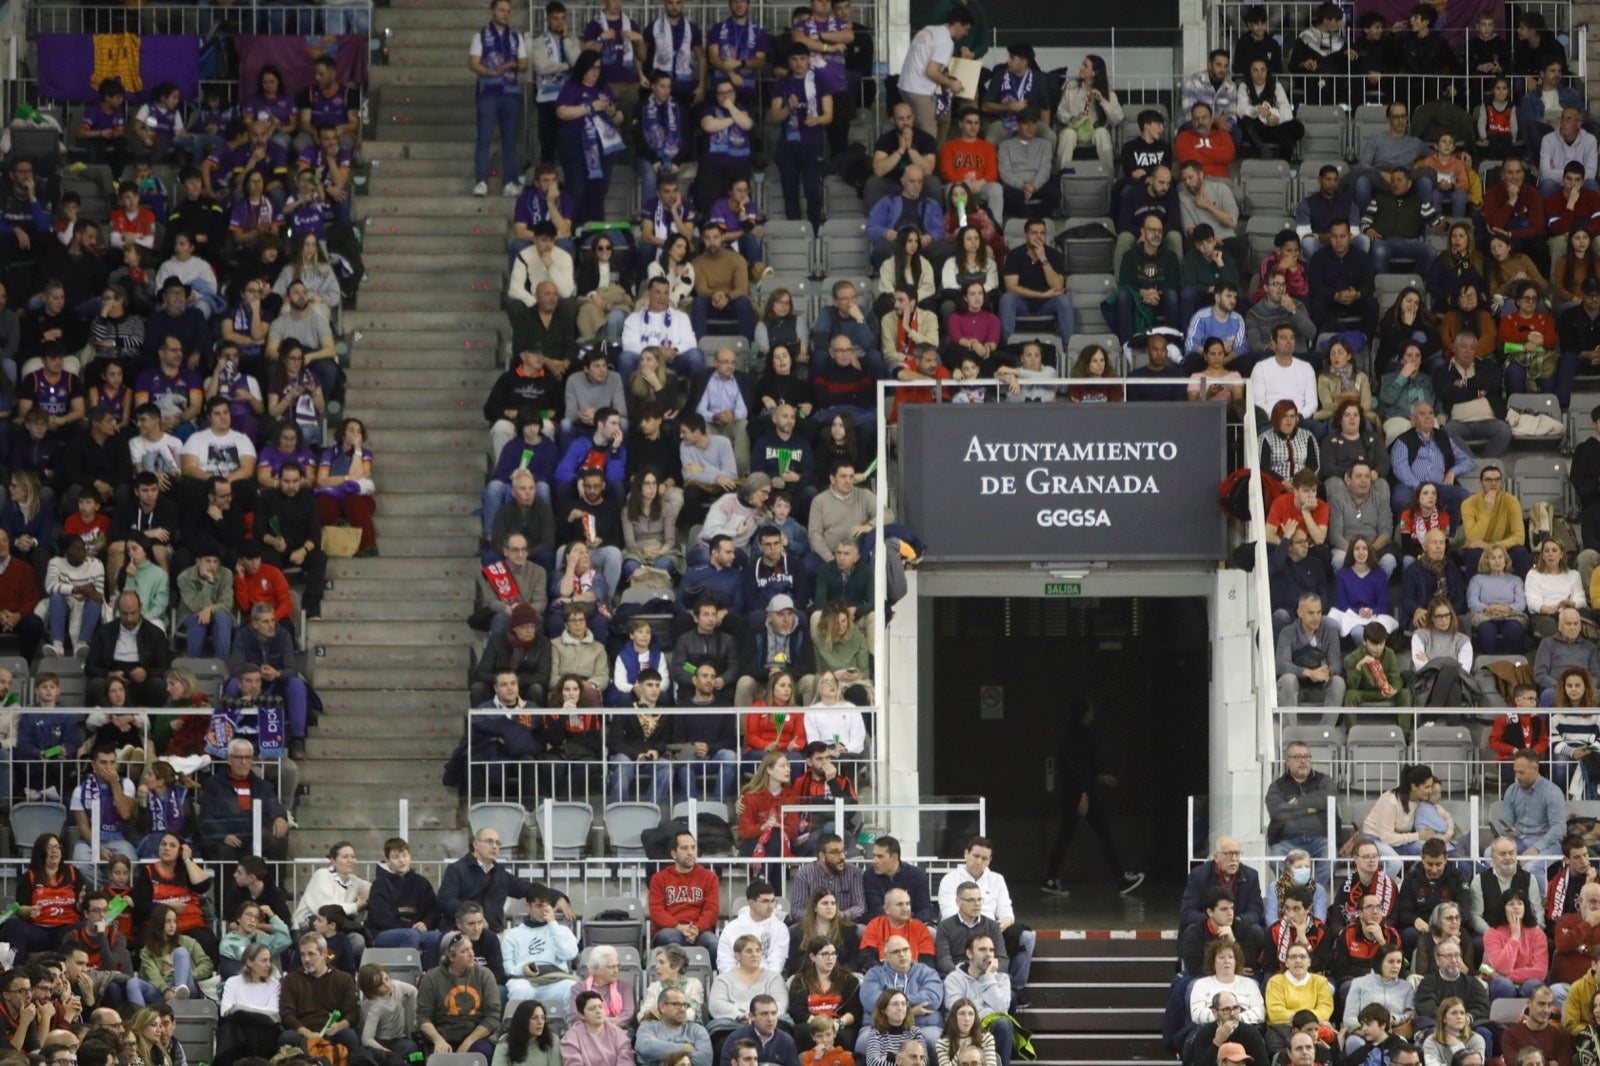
926,68
1569,142
219,450
105,788
1283,377
658,325
757,919
1018,940
539,262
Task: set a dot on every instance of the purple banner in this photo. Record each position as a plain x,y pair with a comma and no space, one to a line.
72,65
294,56
1455,16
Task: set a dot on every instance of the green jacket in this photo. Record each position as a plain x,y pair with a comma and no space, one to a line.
1362,681
151,583
158,970
195,593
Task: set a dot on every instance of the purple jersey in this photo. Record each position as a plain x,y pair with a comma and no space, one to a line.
279,109
734,220
212,119
673,45
795,130
309,216
533,206
330,109
96,120
661,216
158,120
248,217
225,163
170,394
742,42
54,398
312,159
616,55
828,67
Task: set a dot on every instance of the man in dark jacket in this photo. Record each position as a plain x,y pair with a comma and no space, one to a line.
711,735
132,649
96,461
226,816
1427,884
1341,279
1292,570
1297,804
779,645
290,533
478,877
1224,870
269,649
402,908
521,650
1451,979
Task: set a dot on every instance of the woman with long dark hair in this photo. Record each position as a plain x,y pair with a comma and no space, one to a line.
48,894
825,985
587,138
1087,113
1265,114
1081,794
528,1040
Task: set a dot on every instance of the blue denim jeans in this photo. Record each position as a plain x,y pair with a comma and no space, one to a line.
654,780
220,630
60,608
715,774
504,111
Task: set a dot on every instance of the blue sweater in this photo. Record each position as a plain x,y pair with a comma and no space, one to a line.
542,464
1352,592
38,732
577,452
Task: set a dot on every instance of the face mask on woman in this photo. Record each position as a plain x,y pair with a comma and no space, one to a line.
1301,875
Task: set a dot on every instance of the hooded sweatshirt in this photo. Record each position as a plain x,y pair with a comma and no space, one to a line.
772,933
399,901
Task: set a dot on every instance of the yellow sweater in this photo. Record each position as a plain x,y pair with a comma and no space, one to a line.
1579,1010
1501,524
1284,998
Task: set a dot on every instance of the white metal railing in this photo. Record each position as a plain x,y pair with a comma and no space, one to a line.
1286,18
579,780
247,16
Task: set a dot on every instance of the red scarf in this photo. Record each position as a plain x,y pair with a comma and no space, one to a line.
504,585
1283,938
904,342
1351,894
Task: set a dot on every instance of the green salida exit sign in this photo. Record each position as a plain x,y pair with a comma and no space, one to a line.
1063,588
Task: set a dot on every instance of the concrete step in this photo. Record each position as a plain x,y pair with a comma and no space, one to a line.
392,324
382,205
429,547
418,246
458,184
383,722
403,107
381,151
1059,995
443,706
416,77
452,658
399,570
379,342
381,748
1105,950
410,223
454,610
459,100
386,263
436,525
443,167
402,418
440,284
1102,1047
1118,1019
465,302
378,680
427,625
464,18
441,440
373,591
401,387
421,131
432,39
482,358
1114,969
345,773
420,504
429,52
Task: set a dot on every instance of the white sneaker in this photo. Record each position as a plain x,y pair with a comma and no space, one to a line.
481,189
50,795
181,992
32,795
512,188
56,647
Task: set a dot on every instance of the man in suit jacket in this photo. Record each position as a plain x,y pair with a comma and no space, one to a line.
133,649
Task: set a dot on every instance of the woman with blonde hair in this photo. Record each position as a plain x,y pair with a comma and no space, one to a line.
1551,586
765,826
1441,637
1452,1034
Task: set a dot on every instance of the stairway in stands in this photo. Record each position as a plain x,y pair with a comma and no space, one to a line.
1096,999
389,654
